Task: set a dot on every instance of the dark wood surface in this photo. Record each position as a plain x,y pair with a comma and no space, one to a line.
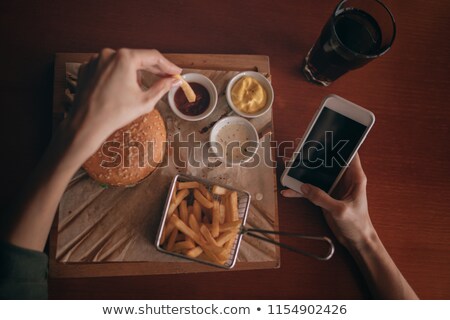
405,156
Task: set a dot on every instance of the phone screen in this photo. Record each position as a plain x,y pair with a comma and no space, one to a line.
327,149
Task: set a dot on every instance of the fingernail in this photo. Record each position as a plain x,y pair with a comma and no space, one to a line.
283,193
290,194
305,188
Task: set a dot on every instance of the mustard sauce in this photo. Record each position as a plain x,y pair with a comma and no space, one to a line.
248,95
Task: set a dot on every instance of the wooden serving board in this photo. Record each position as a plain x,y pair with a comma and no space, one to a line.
86,265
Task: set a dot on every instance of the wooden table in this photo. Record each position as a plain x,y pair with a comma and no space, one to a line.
405,156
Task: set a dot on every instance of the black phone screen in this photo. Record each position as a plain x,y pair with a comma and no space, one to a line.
327,149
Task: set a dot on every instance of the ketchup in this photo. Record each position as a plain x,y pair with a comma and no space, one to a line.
197,107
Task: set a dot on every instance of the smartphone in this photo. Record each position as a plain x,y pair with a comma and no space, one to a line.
329,144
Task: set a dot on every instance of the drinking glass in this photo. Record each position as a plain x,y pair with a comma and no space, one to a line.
357,32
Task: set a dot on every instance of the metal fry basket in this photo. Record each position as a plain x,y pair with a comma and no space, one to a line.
243,206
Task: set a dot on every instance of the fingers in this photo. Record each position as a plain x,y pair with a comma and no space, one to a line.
157,91
289,193
81,72
315,195
87,68
356,171
94,57
84,73
356,162
153,61
105,56
319,197
143,59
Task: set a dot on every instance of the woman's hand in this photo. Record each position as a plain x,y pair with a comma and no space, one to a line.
109,95
347,214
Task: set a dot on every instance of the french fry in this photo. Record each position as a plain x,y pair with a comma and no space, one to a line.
212,258
209,238
205,192
234,206
193,223
174,194
205,257
162,239
194,253
222,213
191,241
190,94
215,219
219,252
182,227
197,211
168,228
202,200
184,238
229,245
210,246
219,190
172,208
178,198
183,245
194,226
227,209
225,237
180,237
170,225
181,195
184,215
188,185
172,239
230,226
211,255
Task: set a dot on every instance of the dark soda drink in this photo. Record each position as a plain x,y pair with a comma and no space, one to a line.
349,40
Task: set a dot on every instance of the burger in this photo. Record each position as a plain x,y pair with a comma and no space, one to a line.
131,153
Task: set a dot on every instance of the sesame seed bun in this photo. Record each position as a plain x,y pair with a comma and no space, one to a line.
131,153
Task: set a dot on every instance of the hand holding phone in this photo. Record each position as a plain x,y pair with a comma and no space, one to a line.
347,212
329,144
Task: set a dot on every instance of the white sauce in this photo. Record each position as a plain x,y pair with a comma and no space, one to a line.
234,133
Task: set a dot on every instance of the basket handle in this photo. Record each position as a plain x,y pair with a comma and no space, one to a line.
251,232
